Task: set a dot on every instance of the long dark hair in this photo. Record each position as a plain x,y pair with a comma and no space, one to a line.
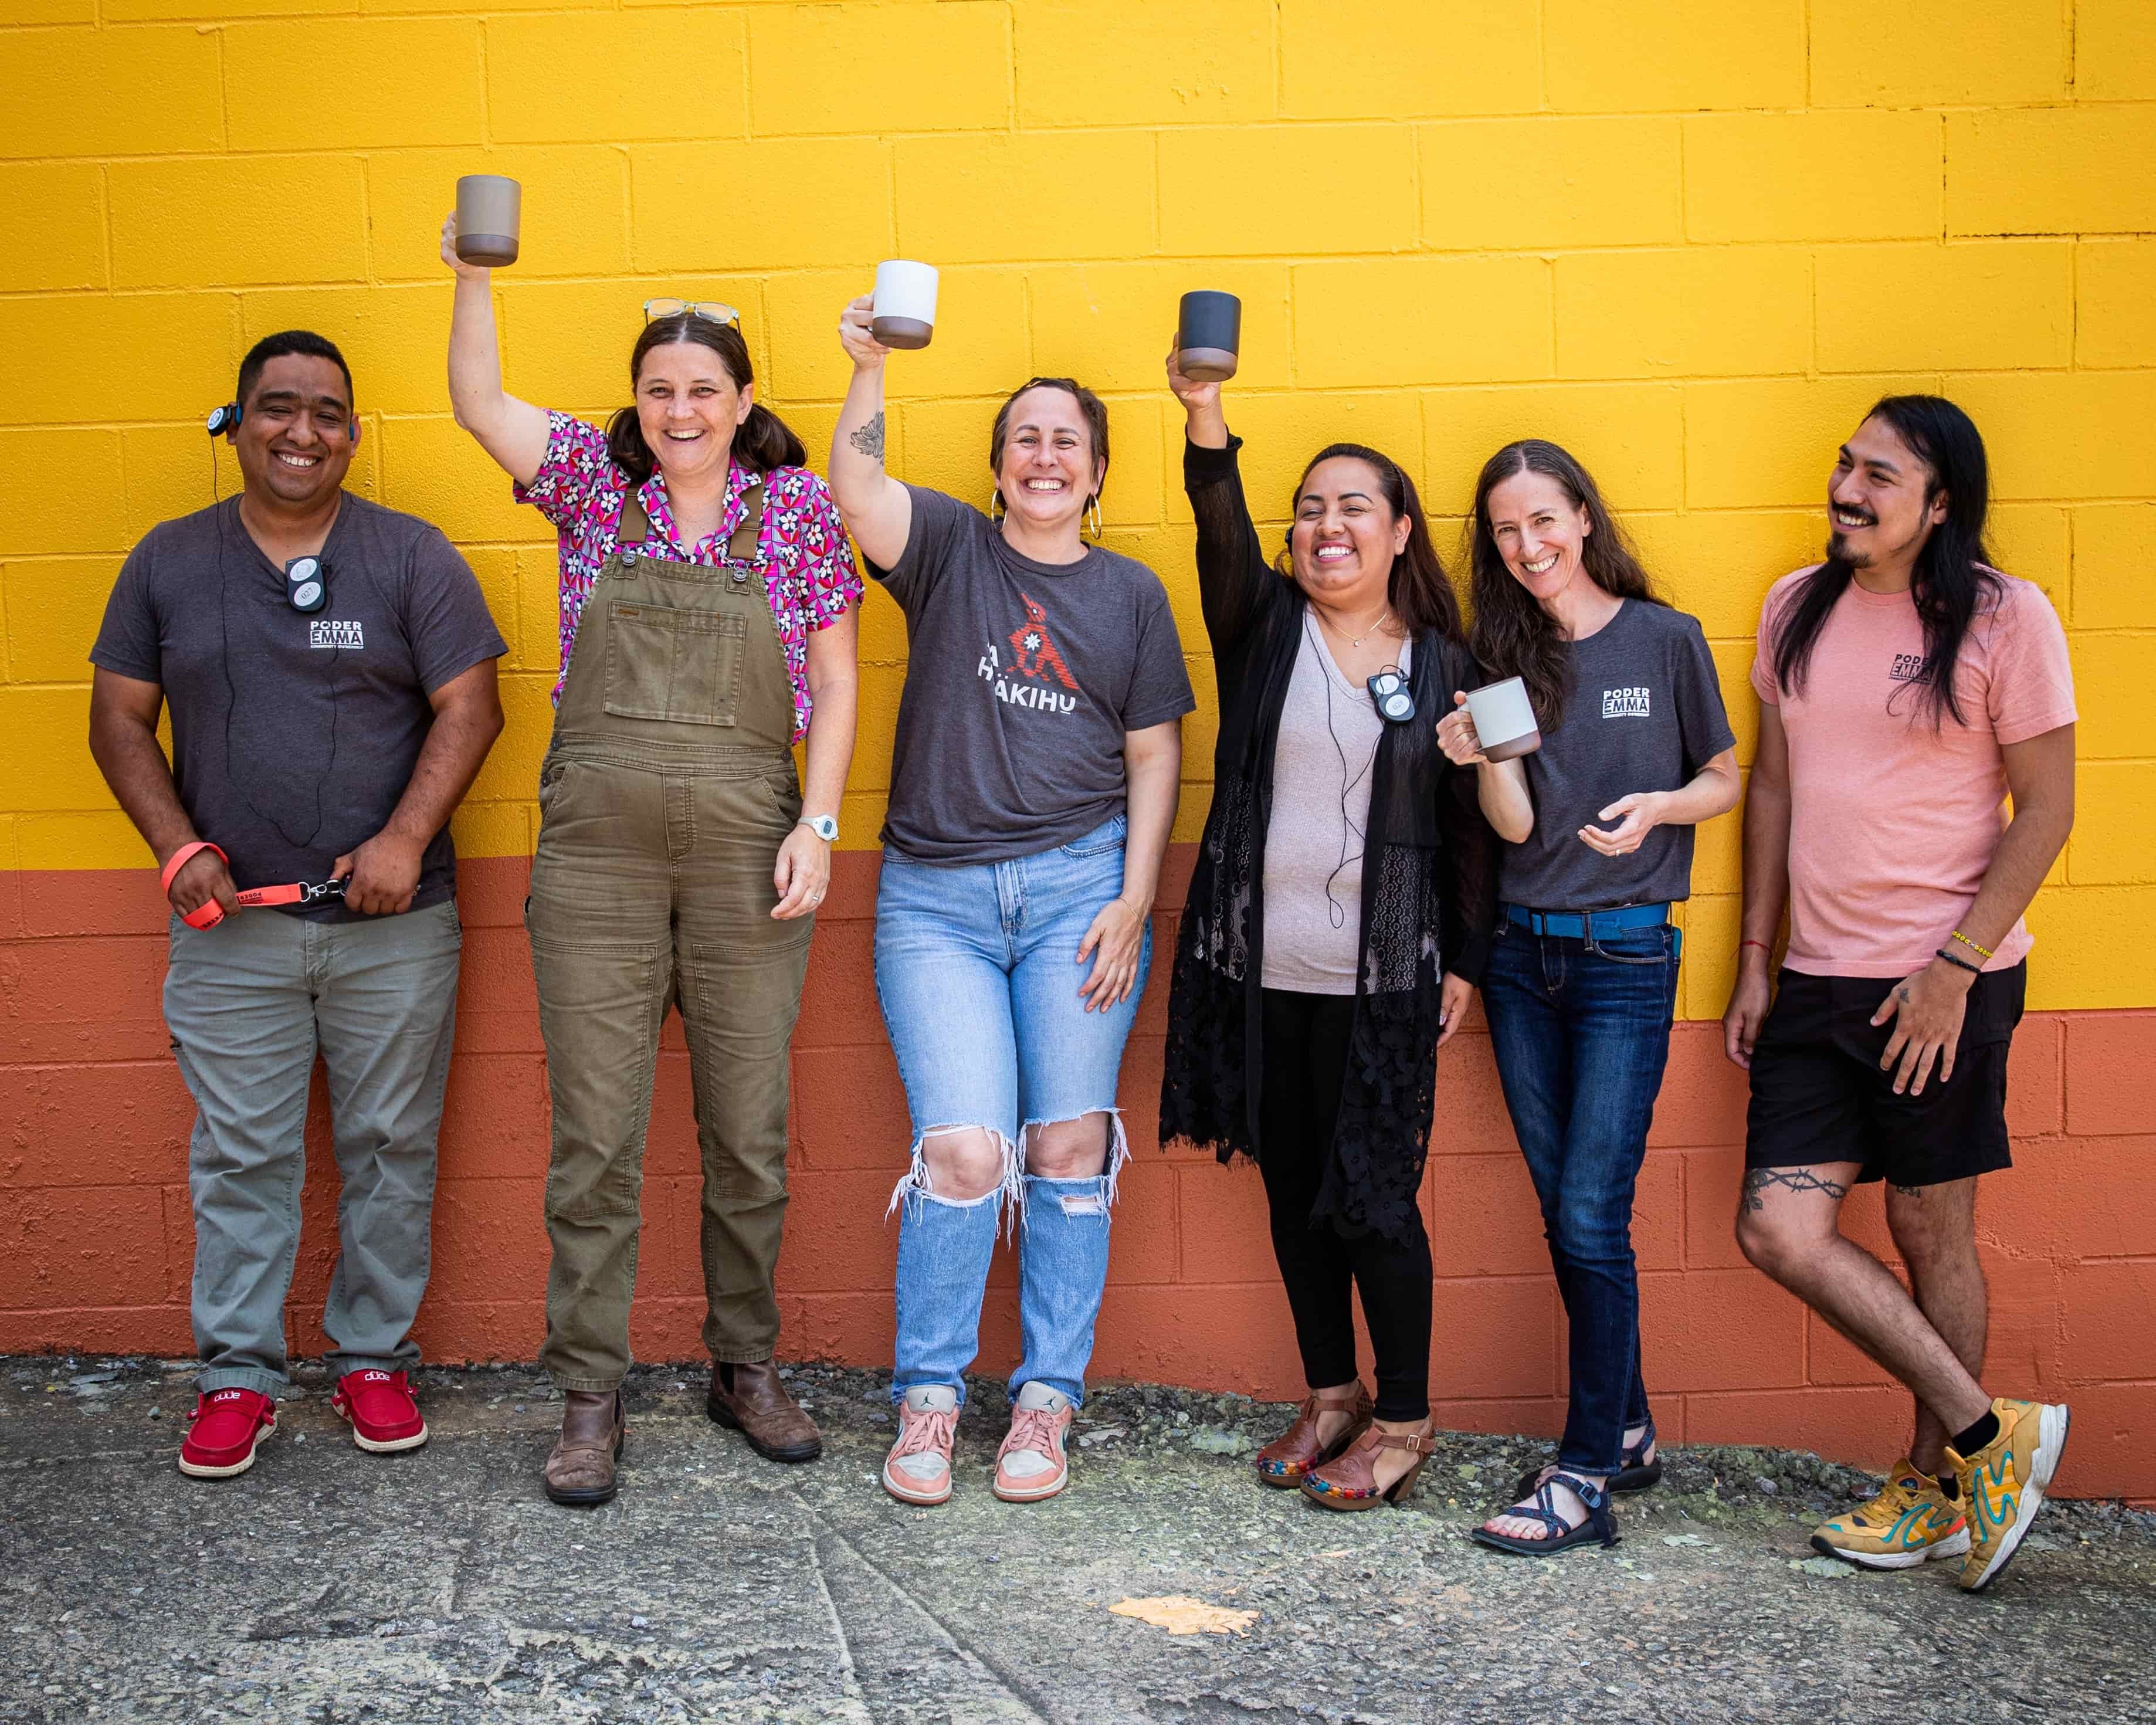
1951,579
1418,589
761,441
1514,637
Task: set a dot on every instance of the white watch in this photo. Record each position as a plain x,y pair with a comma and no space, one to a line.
823,826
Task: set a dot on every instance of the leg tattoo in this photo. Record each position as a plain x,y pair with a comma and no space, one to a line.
1757,1180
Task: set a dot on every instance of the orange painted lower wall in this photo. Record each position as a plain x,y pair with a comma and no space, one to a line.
96,1242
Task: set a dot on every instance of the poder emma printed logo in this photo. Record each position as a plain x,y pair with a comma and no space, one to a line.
1907,668
1624,703
327,632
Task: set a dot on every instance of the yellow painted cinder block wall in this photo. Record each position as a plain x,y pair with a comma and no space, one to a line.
1691,238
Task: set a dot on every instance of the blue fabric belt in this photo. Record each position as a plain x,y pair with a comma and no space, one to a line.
1573,924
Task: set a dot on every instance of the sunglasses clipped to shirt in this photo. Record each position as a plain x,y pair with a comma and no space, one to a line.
710,310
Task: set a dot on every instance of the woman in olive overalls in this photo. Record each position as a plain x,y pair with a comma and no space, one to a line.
707,590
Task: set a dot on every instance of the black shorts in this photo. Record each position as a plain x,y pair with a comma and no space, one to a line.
1818,1094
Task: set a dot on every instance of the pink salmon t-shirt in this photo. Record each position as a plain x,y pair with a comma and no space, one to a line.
1893,820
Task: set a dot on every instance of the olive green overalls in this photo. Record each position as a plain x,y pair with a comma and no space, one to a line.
667,790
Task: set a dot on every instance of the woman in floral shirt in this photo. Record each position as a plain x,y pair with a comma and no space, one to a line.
707,596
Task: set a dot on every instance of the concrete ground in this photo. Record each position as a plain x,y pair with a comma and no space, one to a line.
329,1585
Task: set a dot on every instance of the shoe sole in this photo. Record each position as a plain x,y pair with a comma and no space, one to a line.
592,1499
1954,1545
719,1414
1031,1494
1580,1538
916,1496
384,1446
204,1471
2051,1446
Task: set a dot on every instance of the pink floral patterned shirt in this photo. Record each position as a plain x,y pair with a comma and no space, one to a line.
808,566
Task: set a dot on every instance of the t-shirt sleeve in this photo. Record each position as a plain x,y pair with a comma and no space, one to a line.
1160,681
2032,678
831,581
129,642
1703,721
446,619
575,465
938,529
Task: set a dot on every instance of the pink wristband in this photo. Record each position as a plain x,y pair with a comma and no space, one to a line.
209,913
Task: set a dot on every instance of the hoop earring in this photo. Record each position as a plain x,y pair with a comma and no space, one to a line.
1093,516
996,510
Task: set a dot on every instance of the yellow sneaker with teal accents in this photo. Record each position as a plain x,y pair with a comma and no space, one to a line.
1911,1521
2003,1484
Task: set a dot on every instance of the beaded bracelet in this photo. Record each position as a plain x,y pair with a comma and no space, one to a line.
1958,962
1971,944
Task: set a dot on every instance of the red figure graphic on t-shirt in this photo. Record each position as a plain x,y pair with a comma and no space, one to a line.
1036,654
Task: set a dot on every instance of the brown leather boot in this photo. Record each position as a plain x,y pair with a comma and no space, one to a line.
751,1399
580,1473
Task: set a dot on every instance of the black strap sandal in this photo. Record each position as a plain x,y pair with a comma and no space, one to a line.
1635,1472
1563,1537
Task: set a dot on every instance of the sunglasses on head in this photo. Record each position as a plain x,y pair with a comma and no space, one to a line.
710,310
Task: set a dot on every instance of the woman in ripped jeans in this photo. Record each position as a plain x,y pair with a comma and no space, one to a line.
1034,781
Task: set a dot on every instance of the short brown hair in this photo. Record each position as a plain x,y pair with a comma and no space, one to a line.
1090,405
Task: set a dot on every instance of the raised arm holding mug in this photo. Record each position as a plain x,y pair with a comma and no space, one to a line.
708,623
1634,750
1336,924
329,665
1033,784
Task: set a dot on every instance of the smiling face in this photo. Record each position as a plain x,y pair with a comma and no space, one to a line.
688,407
1539,532
1049,469
1345,535
1877,512
295,436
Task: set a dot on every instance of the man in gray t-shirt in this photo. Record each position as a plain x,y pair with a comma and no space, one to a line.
329,665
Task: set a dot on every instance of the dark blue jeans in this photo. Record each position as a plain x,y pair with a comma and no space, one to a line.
1581,1031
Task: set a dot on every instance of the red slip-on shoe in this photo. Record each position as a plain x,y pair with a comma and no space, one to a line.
229,1427
384,1418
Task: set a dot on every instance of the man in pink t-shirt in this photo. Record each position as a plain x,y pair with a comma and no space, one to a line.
1907,689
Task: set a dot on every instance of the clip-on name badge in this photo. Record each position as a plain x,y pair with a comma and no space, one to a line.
209,913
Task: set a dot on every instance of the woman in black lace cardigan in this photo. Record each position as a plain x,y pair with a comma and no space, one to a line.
1336,925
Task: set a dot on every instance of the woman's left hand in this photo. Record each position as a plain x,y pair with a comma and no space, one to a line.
1642,813
1453,995
803,875
1113,943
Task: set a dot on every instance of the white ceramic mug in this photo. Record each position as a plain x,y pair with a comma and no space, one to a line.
1504,720
904,312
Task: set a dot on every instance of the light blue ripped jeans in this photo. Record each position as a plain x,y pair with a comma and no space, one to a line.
977,973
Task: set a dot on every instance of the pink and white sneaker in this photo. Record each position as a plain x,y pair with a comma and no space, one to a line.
1031,1464
384,1417
227,1428
918,1469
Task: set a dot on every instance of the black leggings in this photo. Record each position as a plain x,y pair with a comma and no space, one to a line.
1306,1060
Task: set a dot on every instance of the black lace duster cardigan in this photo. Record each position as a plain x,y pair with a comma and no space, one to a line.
1430,888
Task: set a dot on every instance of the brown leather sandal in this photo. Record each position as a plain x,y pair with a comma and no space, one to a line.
1350,1482
1283,1461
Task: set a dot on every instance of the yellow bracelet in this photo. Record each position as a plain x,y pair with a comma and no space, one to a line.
1971,944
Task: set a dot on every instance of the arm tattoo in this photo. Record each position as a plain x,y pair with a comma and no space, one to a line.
1906,1191
868,439
1757,1180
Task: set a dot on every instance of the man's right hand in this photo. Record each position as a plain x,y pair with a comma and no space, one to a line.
204,877
1748,1002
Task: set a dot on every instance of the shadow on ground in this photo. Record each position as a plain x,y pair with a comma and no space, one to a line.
329,1585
